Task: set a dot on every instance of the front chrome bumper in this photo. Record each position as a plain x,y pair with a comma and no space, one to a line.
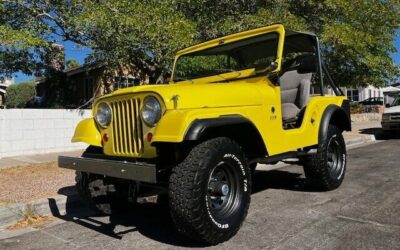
113,168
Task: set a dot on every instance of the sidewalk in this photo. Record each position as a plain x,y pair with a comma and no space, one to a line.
363,132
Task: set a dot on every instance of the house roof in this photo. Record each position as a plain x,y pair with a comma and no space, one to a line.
81,68
391,89
72,71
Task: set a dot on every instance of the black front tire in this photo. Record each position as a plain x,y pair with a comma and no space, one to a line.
198,209
326,169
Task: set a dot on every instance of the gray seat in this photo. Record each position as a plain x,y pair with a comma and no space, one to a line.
295,93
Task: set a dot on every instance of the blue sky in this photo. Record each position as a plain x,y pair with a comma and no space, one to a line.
72,51
79,53
396,56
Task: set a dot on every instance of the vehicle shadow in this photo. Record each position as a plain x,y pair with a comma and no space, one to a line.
150,219
153,219
380,134
281,179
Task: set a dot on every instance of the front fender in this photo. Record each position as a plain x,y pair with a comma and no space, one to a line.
87,132
174,125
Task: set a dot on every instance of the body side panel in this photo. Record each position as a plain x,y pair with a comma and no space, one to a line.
175,123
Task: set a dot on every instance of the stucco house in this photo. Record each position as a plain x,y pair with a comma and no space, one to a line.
89,81
362,93
86,81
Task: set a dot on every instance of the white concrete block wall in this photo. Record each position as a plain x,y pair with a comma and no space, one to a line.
37,131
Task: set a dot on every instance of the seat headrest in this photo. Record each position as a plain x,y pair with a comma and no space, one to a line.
303,64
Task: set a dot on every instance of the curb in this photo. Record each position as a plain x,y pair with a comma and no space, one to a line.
360,140
55,205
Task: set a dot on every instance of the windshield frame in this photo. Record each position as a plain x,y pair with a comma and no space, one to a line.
396,99
277,28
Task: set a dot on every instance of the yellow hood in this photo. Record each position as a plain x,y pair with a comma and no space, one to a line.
200,95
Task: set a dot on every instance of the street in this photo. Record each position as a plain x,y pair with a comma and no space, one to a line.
364,213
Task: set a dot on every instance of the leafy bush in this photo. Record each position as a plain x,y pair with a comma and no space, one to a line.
356,108
18,95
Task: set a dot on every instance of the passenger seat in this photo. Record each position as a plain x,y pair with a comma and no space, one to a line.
295,87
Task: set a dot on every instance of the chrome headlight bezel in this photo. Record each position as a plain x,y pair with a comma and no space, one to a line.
151,110
103,115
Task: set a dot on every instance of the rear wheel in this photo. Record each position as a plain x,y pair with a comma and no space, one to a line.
209,192
326,169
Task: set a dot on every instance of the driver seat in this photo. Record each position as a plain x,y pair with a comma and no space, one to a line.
295,85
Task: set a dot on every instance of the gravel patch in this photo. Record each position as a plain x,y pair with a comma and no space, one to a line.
28,183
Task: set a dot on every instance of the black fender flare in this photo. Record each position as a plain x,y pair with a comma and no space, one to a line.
341,117
236,127
199,126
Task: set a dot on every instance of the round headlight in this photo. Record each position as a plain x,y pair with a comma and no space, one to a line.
151,110
103,115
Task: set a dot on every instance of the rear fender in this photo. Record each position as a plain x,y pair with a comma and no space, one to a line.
338,116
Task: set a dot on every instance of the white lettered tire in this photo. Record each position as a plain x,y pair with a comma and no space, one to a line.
209,192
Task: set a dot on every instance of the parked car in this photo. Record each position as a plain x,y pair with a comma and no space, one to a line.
391,116
232,102
372,101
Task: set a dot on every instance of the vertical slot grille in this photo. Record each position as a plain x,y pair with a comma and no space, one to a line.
126,127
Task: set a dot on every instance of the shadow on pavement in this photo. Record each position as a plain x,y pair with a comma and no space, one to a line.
150,220
380,134
281,179
153,220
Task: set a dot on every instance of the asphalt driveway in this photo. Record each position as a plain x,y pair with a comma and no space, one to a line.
364,213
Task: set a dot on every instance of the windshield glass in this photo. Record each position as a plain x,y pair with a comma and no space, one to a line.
255,52
396,101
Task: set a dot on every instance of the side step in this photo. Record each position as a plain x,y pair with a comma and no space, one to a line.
280,157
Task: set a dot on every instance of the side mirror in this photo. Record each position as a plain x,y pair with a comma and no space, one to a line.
387,105
270,68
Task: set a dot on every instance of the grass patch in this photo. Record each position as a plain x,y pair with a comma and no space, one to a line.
30,218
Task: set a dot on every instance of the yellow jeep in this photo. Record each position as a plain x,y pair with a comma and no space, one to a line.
257,96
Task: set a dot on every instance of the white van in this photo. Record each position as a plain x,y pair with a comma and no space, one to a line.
391,116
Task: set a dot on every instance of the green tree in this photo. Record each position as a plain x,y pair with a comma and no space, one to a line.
21,43
71,64
357,35
18,95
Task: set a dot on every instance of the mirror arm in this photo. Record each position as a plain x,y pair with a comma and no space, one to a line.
268,69
274,78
